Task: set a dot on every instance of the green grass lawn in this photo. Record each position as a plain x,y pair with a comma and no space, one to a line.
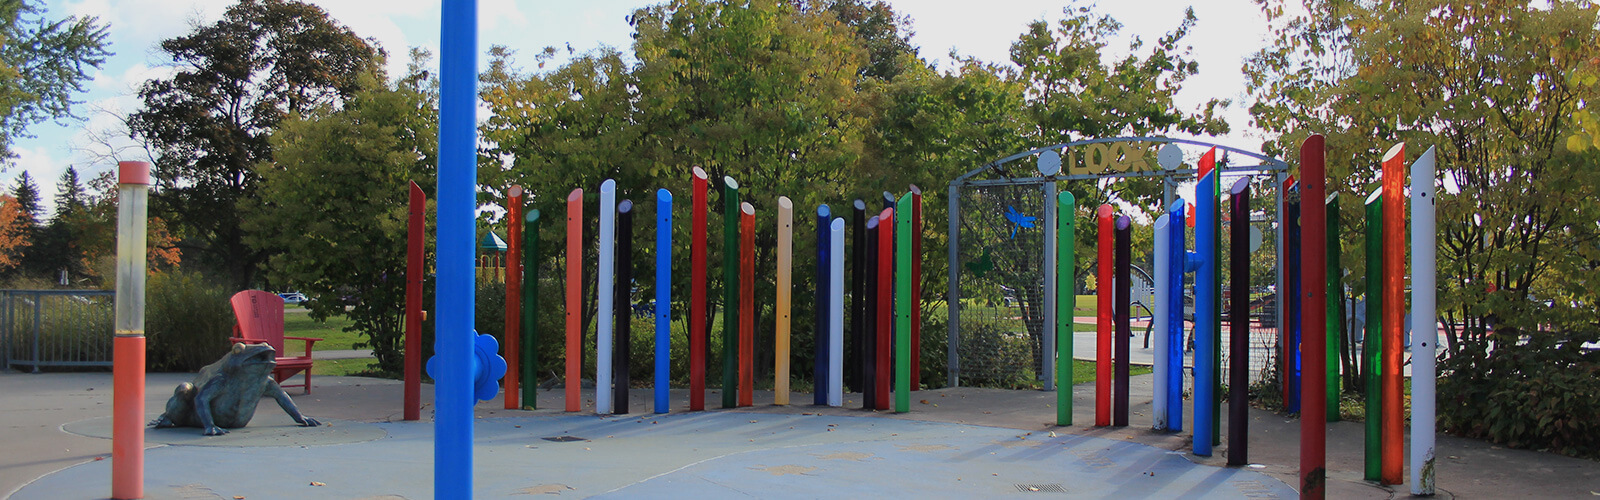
342,367
334,338
1083,371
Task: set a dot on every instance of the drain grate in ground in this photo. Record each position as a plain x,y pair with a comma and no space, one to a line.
564,439
1041,488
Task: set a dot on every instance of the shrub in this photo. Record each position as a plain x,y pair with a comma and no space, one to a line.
187,321
1541,394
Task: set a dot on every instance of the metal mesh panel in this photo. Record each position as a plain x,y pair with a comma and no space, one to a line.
1001,283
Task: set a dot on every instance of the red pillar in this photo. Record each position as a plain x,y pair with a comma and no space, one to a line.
697,293
416,235
1313,320
885,330
1103,290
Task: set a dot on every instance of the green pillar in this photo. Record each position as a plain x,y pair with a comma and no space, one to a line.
1335,308
1216,352
905,306
1066,302
530,311
1372,346
730,292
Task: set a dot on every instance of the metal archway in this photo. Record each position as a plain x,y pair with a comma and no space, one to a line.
1104,158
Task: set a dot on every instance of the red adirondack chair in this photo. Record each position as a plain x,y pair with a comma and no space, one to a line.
260,321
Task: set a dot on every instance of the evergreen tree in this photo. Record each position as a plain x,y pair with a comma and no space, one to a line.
27,194
69,195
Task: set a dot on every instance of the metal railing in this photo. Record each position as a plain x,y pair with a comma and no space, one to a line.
40,328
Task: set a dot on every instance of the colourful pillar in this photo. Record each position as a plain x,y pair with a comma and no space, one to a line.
128,341
1205,309
730,293
606,291
836,313
860,242
454,341
1103,292
885,310
663,380
1066,302
1123,258
415,274
747,302
697,291
530,311
513,332
780,368
1178,264
1313,328
822,370
905,303
1335,314
622,354
1239,326
916,287
1394,308
1291,330
1424,317
869,337
1372,340
574,366
1215,289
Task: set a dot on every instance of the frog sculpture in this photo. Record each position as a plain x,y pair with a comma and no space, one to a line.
224,394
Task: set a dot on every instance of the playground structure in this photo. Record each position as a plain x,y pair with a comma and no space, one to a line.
468,367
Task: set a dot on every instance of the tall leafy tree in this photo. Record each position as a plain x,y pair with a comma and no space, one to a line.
209,124
1499,88
58,249
43,61
357,163
14,237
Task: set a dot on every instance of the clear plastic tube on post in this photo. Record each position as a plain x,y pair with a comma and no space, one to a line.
128,343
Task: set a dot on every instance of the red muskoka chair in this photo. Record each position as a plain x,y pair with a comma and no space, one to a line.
260,321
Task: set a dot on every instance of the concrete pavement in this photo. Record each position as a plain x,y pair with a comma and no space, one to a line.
991,440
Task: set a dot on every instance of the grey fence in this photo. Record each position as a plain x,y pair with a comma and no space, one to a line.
67,328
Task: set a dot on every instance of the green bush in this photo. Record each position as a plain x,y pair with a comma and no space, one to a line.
1541,394
187,321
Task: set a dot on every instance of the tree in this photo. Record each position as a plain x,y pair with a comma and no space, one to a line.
209,124
27,194
42,63
1498,89
58,248
13,233
357,163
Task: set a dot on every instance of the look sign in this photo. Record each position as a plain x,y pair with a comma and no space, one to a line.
1110,158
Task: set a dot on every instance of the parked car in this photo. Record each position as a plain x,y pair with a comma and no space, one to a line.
293,297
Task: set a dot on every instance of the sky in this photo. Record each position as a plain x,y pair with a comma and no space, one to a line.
1226,33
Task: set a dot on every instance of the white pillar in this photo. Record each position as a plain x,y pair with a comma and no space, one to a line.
1424,318
836,312
603,317
1163,279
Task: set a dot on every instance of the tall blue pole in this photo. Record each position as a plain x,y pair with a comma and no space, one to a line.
458,175
820,332
1178,264
663,298
1205,310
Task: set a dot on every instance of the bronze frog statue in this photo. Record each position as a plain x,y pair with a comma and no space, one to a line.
224,394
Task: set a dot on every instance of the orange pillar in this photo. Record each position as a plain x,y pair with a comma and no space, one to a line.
574,299
747,302
513,297
1394,310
